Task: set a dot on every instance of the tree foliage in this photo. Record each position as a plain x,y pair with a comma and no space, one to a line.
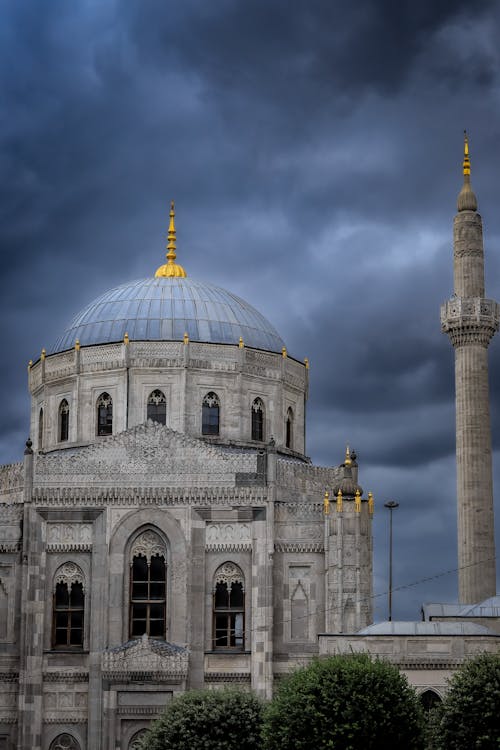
208,720
470,714
344,703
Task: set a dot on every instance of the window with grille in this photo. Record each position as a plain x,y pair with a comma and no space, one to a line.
69,600
63,420
210,414
229,608
258,419
40,429
157,407
104,414
289,428
148,586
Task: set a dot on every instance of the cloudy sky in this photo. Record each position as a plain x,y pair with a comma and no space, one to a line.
314,153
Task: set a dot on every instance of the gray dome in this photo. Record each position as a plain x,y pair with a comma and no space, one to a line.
163,309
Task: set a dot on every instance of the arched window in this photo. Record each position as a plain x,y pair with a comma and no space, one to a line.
104,414
148,586
64,742
135,742
289,429
258,419
40,429
69,606
229,608
429,699
210,414
157,407
63,420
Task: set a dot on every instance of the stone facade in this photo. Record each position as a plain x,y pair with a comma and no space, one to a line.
219,510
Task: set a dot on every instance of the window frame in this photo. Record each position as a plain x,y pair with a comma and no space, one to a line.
150,403
289,428
258,423
208,411
230,613
104,428
63,421
68,574
148,601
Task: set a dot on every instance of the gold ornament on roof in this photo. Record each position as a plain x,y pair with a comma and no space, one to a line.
371,504
326,503
348,460
339,501
171,268
466,163
357,501
241,343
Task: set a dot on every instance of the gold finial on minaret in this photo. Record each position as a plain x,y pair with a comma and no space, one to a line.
371,503
348,460
306,362
171,268
326,503
77,345
284,352
357,501
126,339
185,337
339,501
43,354
241,343
466,164
466,201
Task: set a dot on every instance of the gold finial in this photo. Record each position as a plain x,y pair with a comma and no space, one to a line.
371,504
348,460
357,501
77,345
126,339
171,268
306,362
326,503
467,200
43,354
283,352
339,501
466,164
241,343
186,338
30,365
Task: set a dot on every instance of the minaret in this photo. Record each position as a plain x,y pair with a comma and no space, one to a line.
471,321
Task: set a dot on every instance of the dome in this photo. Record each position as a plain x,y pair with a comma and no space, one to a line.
163,309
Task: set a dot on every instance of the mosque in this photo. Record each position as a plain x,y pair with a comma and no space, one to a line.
166,530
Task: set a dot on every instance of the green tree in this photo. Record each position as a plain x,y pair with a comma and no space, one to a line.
344,703
470,714
208,720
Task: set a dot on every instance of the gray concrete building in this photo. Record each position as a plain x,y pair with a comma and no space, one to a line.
165,529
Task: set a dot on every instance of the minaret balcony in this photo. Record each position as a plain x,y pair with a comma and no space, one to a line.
469,319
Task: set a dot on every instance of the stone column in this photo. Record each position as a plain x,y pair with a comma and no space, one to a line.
471,321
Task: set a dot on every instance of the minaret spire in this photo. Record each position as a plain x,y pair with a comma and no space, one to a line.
171,268
471,321
467,200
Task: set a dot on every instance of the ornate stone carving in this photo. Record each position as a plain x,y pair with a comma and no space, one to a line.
148,545
69,573
218,533
69,536
229,573
317,547
145,659
136,741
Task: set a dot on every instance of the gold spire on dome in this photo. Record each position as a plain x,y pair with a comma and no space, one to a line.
466,201
348,460
171,268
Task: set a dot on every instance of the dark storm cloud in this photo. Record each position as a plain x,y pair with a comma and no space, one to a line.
314,155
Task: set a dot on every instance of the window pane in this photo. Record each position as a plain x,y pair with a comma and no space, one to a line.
157,569
156,611
139,591
62,595
157,628
77,595
139,611
76,619
76,638
238,629
221,596
62,619
236,596
61,637
157,590
210,420
138,627
140,569
221,631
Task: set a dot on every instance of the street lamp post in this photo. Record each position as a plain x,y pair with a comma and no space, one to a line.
392,505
